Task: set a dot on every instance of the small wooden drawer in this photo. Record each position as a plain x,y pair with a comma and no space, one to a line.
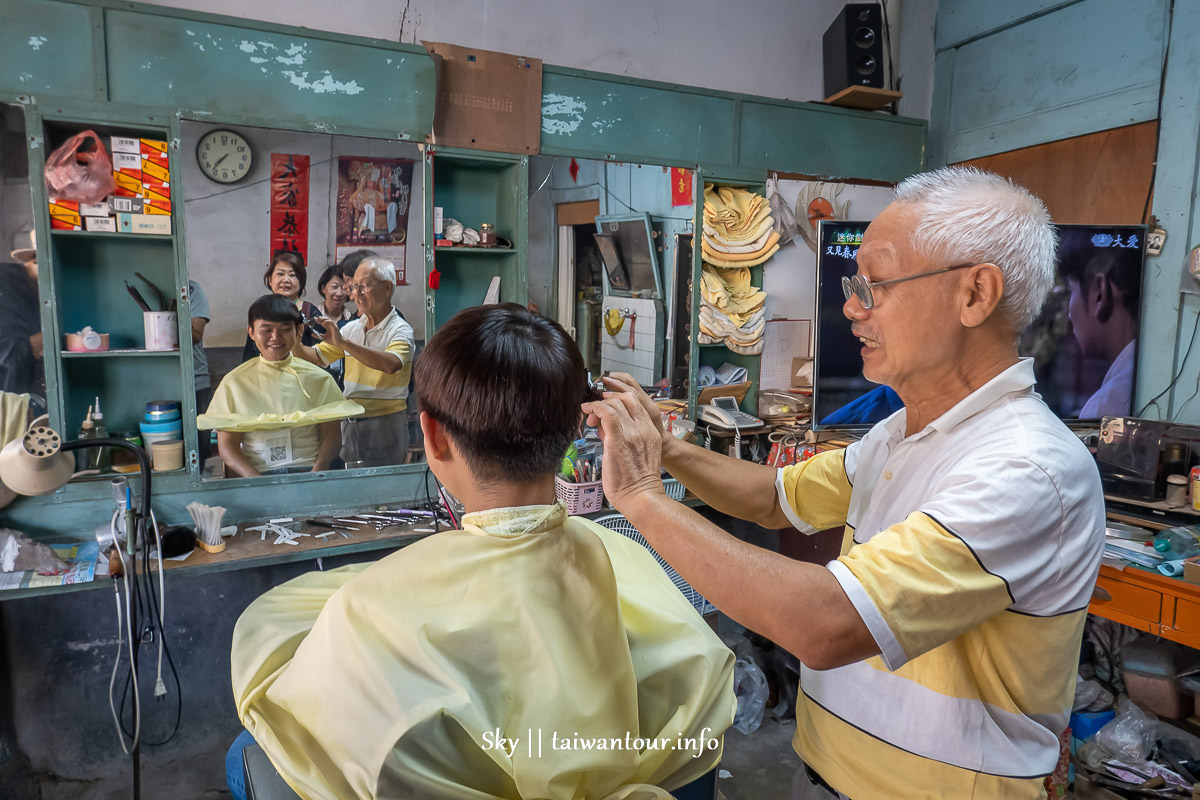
1133,600
1187,616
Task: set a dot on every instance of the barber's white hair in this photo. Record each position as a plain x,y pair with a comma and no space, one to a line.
380,268
966,214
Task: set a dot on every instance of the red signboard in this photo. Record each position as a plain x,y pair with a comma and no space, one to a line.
289,203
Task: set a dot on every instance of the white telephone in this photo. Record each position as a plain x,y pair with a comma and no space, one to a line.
723,412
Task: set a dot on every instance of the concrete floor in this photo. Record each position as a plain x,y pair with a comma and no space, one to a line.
760,765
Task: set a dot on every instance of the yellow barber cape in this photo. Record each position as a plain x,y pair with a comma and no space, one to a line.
262,395
565,641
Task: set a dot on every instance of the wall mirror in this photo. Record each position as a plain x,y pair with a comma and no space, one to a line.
275,211
586,217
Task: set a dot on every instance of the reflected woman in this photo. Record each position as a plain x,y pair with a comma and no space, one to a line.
288,278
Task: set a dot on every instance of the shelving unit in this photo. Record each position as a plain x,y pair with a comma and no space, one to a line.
715,354
473,188
83,275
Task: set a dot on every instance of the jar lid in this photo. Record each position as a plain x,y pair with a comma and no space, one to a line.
1177,479
162,405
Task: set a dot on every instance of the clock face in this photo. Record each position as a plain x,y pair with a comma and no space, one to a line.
224,156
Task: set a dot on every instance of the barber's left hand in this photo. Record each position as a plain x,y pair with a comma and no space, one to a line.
632,447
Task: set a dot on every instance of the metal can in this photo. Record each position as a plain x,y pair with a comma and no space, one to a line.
487,235
1195,482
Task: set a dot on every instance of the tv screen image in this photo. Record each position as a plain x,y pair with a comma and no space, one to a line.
1084,341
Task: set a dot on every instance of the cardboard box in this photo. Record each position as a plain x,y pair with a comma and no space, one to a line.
485,100
1191,570
802,373
62,225
153,170
138,147
94,209
125,205
129,163
144,223
105,224
67,212
128,185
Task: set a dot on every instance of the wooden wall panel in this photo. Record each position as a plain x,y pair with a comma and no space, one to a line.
1097,178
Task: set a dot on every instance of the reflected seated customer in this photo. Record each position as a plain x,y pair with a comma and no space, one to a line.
397,678
276,413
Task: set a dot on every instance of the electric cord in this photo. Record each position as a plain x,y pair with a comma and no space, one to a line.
1162,84
1182,366
887,38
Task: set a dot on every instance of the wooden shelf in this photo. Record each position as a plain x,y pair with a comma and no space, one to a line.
117,353
864,98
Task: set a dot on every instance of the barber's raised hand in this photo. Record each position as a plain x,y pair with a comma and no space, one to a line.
632,444
623,382
332,335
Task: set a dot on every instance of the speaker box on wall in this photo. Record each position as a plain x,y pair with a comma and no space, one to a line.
853,49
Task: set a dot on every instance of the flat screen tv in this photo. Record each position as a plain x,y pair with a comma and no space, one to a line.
1083,343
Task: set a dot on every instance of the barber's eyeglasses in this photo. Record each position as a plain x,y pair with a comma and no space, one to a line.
860,286
355,288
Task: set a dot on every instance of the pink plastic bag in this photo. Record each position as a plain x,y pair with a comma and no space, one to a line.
73,173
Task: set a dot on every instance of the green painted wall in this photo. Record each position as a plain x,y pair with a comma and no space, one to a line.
95,59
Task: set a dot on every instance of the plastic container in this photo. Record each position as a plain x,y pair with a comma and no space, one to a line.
162,411
161,330
1176,543
579,498
161,432
1150,668
1177,490
166,456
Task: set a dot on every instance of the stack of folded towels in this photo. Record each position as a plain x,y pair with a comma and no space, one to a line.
738,234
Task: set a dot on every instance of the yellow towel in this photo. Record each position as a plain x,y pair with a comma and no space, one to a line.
14,413
748,259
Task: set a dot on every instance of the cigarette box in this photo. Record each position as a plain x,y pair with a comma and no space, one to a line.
130,163
104,224
144,223
153,170
94,209
57,224
125,205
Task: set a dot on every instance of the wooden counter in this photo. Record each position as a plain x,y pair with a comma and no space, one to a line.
1149,601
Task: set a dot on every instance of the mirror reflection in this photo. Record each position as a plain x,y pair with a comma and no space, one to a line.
22,370
308,314
614,238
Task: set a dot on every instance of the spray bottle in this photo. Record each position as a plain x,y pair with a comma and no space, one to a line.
99,458
87,430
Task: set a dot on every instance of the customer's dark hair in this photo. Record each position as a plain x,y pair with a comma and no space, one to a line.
329,274
507,384
293,260
273,308
349,264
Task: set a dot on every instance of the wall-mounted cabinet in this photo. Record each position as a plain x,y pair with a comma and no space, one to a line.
475,189
82,282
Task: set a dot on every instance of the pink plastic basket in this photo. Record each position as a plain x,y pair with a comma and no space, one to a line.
579,498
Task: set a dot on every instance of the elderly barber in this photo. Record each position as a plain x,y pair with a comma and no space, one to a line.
378,348
940,648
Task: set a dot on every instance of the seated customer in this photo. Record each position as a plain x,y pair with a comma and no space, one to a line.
276,413
394,679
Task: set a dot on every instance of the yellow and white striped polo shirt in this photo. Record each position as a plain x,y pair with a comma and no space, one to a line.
972,549
378,392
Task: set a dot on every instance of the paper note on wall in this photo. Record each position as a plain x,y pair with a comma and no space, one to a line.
783,340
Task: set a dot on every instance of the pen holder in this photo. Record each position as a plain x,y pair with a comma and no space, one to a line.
579,498
161,329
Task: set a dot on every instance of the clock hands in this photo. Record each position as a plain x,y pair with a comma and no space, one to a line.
219,160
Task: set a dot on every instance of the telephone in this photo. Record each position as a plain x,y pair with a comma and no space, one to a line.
723,412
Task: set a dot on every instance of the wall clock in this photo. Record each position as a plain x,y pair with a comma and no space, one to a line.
224,156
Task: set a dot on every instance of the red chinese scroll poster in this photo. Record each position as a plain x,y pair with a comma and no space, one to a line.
681,187
289,203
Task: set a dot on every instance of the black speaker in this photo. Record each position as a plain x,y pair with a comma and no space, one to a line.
853,49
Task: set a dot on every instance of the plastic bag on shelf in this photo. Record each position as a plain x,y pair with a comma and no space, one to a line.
79,174
750,685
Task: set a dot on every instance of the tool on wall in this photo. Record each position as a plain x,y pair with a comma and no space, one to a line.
614,321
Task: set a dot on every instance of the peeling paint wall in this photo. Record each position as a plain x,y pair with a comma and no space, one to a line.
769,47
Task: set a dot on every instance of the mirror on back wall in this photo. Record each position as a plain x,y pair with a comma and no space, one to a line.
306,274
22,369
602,260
